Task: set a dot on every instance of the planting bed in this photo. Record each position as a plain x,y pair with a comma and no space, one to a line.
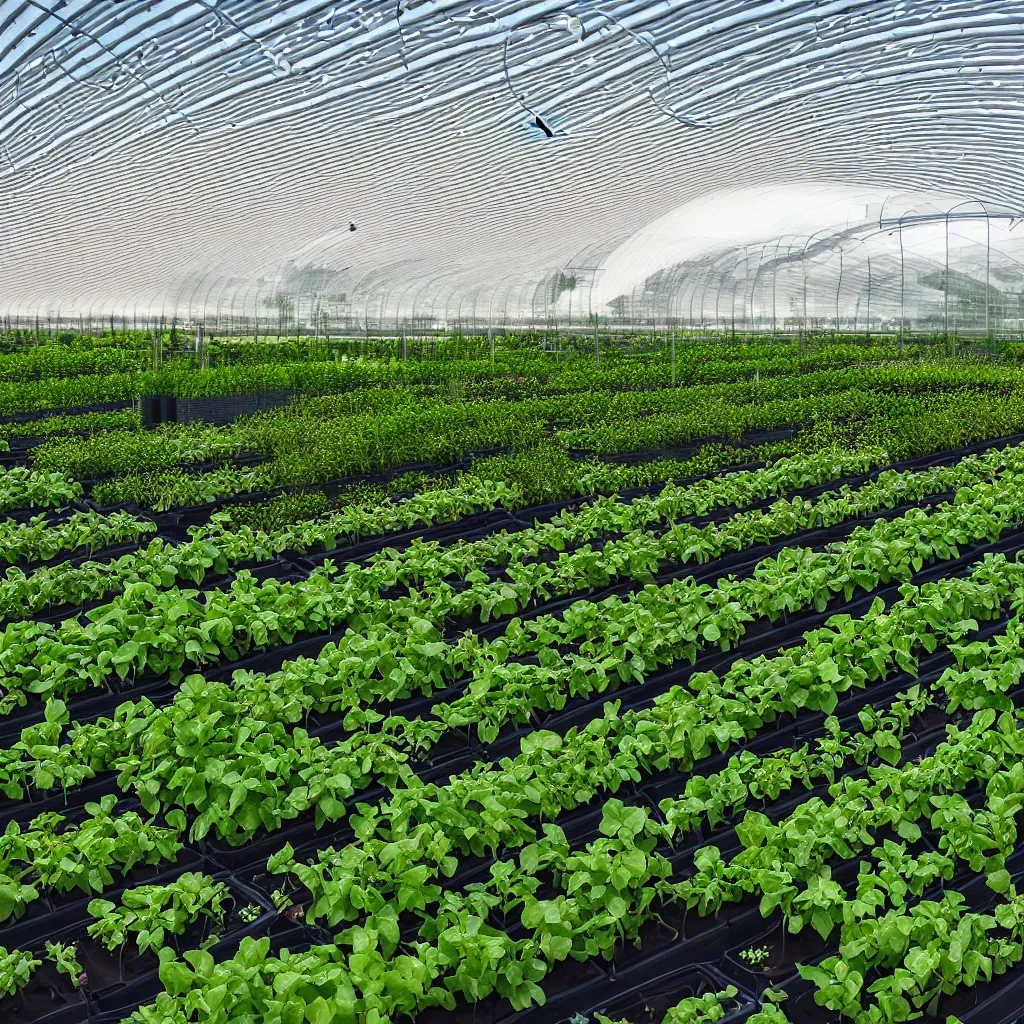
724,728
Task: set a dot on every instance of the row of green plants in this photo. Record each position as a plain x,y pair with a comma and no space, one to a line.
624,852
24,488
147,917
18,965
41,538
148,914
213,716
212,550
121,451
63,361
931,421
59,377
707,1008
166,630
73,423
52,855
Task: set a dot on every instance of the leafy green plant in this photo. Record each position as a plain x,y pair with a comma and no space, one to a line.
64,958
50,855
150,913
16,969
281,900
703,1009
249,914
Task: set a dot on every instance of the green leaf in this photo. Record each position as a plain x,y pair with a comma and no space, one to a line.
176,977
999,880
711,633
319,1011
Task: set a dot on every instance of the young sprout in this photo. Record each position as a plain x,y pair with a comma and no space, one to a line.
755,955
249,914
64,958
280,900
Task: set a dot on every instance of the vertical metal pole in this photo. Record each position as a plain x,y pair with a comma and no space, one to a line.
490,338
867,333
735,288
988,261
945,283
903,290
775,272
404,348
673,357
839,288
804,261
597,342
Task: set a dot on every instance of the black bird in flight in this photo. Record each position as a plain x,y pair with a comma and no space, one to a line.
543,127
351,226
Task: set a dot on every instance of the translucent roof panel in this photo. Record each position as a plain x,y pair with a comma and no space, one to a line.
508,160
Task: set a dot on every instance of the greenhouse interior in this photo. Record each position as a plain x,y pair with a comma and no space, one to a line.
511,511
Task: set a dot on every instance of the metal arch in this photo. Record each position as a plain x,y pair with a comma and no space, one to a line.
703,271
903,282
736,285
839,287
204,311
367,280
988,261
716,266
612,19
384,297
775,275
881,211
258,282
199,277
220,297
398,308
704,291
803,263
753,288
425,283
449,300
476,299
164,299
504,315
863,241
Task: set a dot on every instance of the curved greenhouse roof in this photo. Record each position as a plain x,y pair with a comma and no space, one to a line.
511,161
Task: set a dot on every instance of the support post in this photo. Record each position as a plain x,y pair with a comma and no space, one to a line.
988,261
945,286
